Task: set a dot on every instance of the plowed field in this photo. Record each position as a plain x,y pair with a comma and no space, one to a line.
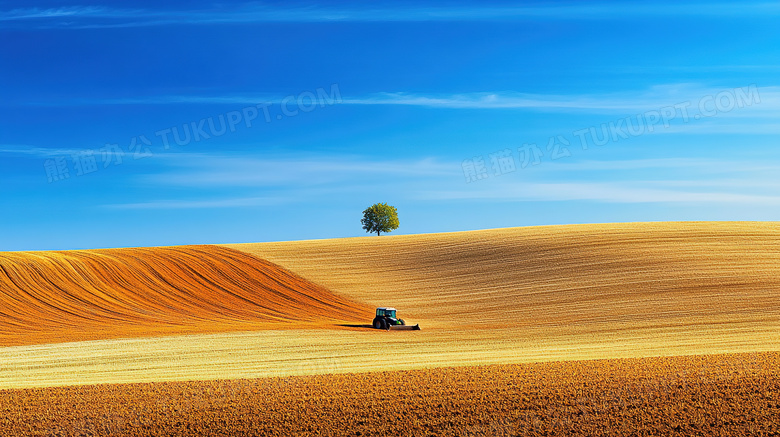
50,297
724,395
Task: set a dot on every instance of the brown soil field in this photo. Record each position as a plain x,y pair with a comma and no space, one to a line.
723,395
51,297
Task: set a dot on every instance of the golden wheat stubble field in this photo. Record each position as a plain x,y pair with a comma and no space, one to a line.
641,288
716,395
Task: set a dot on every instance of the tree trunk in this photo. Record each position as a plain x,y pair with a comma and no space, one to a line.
377,233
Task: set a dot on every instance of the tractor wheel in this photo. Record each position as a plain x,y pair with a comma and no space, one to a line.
377,324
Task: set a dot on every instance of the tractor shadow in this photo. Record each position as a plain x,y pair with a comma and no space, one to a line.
361,326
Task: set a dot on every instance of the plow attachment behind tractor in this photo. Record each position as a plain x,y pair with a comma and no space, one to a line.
404,327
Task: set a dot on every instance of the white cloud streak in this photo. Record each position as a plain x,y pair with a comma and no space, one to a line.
102,17
36,152
691,181
241,202
52,152
688,181
224,171
607,192
41,13
654,98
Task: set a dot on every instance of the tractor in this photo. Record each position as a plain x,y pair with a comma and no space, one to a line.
386,319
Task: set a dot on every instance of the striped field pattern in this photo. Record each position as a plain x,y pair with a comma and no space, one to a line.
48,297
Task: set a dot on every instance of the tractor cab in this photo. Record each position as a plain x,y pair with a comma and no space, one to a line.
385,312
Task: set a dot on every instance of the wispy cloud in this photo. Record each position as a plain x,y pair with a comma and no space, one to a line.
280,180
33,151
607,192
670,180
616,102
747,127
51,152
653,98
708,69
224,171
42,13
240,202
96,17
638,164
691,181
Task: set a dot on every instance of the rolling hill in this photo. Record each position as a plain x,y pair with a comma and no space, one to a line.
602,277
49,297
501,296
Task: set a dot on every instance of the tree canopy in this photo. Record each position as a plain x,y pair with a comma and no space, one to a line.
380,217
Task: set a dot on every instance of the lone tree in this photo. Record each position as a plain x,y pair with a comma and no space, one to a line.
380,217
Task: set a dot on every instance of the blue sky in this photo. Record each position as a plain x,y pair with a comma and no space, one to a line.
136,124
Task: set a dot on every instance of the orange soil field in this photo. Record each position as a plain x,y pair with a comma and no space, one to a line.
49,297
723,395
